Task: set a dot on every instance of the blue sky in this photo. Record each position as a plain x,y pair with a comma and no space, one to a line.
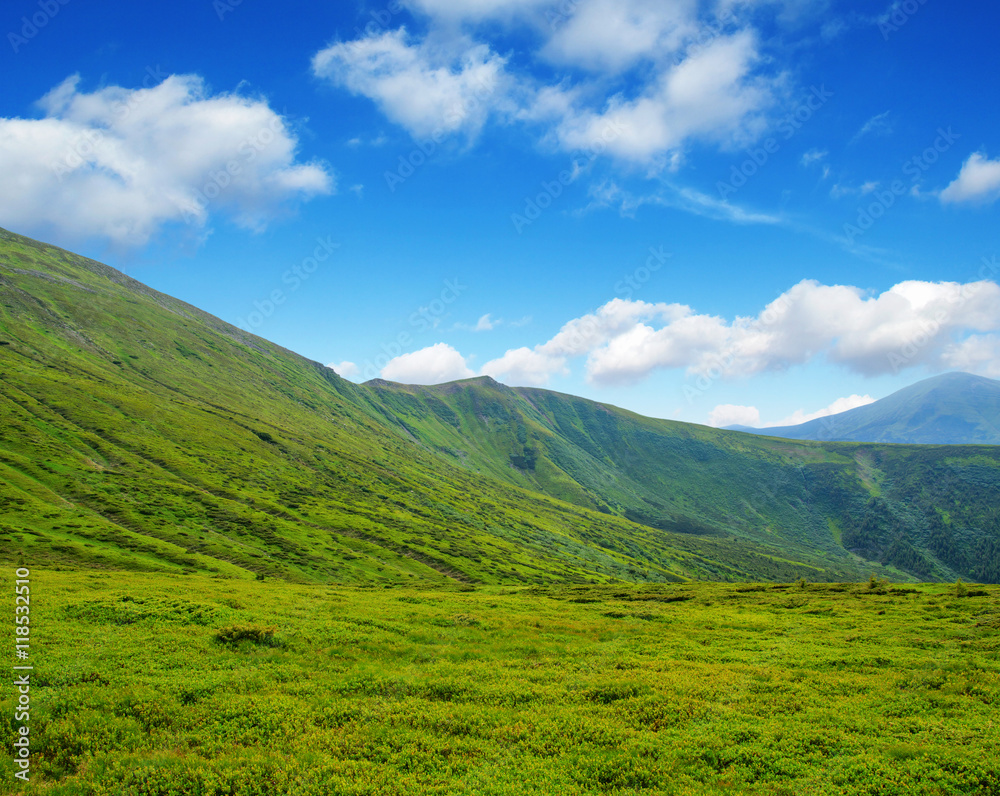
707,211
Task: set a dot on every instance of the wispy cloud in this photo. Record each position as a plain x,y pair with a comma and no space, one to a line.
813,156
609,194
880,124
486,323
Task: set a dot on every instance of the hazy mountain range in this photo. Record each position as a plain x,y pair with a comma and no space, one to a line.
951,409
140,432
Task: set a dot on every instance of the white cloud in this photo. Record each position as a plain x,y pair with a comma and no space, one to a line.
451,11
432,365
733,415
691,76
525,367
978,181
486,323
609,194
978,353
877,125
121,163
913,323
347,369
838,190
813,156
535,366
610,35
838,406
428,89
711,95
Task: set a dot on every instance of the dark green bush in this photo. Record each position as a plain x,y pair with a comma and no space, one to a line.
255,634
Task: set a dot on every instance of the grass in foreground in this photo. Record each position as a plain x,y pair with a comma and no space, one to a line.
159,684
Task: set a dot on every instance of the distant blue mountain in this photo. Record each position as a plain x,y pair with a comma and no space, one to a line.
952,409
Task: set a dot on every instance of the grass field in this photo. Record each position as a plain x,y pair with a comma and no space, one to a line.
170,684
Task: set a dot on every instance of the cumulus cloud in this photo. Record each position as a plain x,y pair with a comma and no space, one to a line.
347,369
691,74
611,35
913,323
710,95
121,163
910,324
432,365
838,406
733,415
525,367
978,181
978,353
428,89
535,366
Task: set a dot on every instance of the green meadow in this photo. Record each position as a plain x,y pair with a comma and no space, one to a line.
190,685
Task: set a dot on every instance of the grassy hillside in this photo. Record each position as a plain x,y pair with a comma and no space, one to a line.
151,684
142,433
930,511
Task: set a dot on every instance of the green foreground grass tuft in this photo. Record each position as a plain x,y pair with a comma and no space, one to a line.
168,684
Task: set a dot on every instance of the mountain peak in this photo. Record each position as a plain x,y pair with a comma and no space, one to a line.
954,408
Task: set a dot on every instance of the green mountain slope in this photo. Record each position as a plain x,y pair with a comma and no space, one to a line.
140,432
931,511
950,409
